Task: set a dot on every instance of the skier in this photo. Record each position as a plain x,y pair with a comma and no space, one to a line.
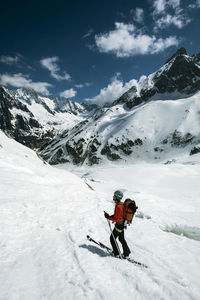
118,231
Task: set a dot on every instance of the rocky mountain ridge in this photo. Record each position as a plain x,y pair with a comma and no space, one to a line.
179,75
140,125
157,130
157,117
34,120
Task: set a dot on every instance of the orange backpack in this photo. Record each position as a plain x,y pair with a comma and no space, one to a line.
129,210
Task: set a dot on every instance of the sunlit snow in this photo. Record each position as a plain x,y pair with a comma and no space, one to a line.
46,213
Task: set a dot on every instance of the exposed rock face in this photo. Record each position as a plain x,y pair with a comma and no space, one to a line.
195,150
34,120
124,130
81,133
180,74
21,125
151,131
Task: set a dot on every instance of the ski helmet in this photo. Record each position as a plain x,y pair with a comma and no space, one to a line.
118,195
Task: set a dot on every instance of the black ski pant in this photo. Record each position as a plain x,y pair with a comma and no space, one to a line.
120,235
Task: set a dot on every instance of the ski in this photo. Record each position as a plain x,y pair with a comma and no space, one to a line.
109,250
100,244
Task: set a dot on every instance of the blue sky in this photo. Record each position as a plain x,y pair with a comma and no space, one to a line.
91,49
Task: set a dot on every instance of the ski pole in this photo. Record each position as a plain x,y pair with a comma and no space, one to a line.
115,240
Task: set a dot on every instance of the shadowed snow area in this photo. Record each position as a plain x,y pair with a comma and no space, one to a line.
46,213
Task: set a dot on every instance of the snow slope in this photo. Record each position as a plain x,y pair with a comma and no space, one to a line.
46,213
154,130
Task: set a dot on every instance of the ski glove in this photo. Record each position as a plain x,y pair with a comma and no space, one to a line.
106,215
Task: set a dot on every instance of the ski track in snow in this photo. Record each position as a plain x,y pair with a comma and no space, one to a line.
46,213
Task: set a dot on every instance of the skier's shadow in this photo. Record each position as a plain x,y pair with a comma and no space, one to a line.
95,250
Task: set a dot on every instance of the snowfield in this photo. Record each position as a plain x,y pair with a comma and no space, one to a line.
46,213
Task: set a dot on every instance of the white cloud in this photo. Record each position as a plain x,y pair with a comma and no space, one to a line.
88,84
177,20
127,41
88,34
68,93
82,85
10,60
50,63
161,5
19,80
139,15
169,12
79,86
162,44
174,3
196,4
113,91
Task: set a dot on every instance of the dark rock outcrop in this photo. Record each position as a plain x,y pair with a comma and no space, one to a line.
180,74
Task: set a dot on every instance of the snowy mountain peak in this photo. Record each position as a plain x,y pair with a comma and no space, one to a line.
34,120
66,131
65,105
179,52
155,129
178,77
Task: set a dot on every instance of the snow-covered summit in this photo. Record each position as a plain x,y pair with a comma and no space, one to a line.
179,76
33,119
52,105
139,125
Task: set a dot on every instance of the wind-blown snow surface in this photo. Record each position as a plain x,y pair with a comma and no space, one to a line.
46,213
